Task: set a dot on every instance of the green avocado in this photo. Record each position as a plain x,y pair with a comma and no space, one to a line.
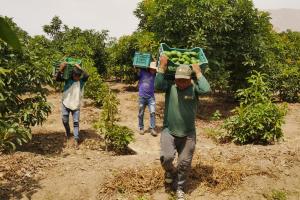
193,53
167,53
174,53
179,54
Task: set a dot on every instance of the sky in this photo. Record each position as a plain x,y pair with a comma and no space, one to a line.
113,15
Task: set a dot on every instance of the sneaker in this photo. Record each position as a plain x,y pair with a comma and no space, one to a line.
142,132
180,194
153,132
168,178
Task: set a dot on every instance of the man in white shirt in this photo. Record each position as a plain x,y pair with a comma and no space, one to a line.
71,98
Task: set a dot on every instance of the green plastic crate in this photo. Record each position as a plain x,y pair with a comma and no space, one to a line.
69,67
172,66
141,60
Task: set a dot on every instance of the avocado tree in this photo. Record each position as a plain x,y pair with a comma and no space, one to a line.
121,54
88,45
232,33
23,82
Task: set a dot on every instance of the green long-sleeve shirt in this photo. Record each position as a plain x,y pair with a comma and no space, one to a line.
181,105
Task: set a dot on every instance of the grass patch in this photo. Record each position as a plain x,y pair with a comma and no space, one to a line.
276,195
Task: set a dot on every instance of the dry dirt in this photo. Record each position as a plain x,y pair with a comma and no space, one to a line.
50,168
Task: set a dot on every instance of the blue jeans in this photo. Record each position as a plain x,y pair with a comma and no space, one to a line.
65,119
143,102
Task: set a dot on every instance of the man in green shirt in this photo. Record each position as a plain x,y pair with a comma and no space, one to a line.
179,132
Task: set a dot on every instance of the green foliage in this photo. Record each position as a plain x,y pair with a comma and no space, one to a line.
126,74
142,198
116,137
88,45
258,92
12,134
121,54
218,79
74,42
257,119
287,83
23,91
54,29
276,195
8,35
282,64
234,34
95,88
216,134
216,115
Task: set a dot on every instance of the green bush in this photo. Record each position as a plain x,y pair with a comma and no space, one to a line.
287,83
216,115
23,81
121,53
95,88
116,137
257,119
12,134
234,34
124,73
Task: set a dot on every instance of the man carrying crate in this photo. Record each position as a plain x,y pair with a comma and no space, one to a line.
146,79
71,98
179,132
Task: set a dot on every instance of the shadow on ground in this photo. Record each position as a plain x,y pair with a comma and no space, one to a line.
209,105
131,88
25,188
91,140
45,143
200,174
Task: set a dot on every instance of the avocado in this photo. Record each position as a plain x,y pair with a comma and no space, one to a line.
179,54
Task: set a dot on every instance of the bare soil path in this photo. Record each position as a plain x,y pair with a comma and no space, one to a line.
50,168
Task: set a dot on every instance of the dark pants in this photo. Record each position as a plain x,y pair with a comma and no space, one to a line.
185,147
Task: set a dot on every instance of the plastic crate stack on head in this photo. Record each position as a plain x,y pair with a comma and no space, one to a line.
69,67
177,56
141,60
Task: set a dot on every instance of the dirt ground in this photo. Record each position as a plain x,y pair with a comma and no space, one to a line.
50,168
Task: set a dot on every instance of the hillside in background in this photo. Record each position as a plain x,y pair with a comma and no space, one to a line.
283,19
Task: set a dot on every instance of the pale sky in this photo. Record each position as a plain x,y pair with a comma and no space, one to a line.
113,15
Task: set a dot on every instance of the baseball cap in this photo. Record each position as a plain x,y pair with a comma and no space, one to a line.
183,71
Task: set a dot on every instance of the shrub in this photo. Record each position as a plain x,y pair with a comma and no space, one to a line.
23,81
257,119
116,137
216,115
124,73
95,88
12,134
288,84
